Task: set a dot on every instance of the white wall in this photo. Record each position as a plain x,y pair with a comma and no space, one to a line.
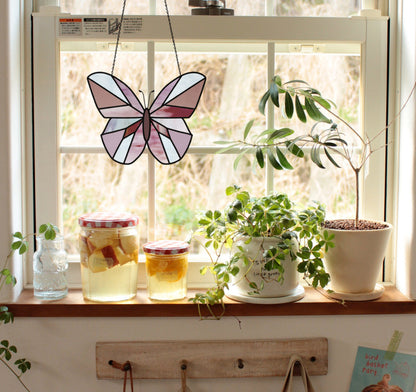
62,350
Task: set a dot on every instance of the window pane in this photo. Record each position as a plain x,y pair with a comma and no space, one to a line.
230,98
240,7
93,182
337,77
315,7
104,7
196,184
81,123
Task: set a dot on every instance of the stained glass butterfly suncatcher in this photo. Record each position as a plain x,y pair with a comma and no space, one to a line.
132,126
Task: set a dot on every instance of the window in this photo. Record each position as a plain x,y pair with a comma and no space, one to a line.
238,55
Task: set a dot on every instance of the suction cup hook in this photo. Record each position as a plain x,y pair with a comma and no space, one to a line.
184,367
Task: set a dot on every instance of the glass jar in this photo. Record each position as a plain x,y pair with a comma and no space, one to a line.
50,263
166,268
109,250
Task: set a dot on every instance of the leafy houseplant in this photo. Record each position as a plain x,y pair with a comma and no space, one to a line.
19,244
300,242
326,139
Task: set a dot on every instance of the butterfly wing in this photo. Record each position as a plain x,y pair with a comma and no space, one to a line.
123,139
123,135
169,136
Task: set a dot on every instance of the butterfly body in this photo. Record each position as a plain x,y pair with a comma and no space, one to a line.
132,127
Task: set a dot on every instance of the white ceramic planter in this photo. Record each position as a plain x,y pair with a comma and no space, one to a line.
273,292
355,262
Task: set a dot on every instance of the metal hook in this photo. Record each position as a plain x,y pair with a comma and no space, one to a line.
125,367
184,367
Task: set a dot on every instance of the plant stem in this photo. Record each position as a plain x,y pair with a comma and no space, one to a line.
357,195
15,374
3,277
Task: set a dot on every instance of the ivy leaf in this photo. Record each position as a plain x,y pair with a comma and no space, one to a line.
16,245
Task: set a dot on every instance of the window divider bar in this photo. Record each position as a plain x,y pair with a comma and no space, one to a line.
270,111
151,168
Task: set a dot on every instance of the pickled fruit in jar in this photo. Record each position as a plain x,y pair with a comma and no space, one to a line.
166,268
109,252
169,267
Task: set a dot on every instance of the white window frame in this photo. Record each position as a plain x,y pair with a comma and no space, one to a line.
276,32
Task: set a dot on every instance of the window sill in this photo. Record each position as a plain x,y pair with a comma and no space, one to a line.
314,303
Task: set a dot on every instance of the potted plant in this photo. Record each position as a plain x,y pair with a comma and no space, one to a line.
257,247
356,259
7,350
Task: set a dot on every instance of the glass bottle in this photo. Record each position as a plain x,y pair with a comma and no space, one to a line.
50,263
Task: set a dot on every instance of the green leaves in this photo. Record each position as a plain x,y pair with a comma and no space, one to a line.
48,230
5,315
272,145
23,364
248,217
20,244
7,276
6,352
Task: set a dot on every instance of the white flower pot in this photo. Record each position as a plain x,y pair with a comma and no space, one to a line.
355,262
274,291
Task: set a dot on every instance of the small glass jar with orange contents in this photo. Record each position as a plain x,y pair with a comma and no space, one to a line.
166,268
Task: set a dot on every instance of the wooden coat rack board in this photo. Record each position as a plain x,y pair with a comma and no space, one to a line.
210,359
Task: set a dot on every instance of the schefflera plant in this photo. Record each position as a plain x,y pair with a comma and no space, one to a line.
247,217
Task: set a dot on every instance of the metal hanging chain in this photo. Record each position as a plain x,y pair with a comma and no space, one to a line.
172,37
118,36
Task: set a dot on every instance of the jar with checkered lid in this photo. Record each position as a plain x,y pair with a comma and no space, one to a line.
109,249
166,268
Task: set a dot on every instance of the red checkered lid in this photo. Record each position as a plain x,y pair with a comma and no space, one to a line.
166,247
108,220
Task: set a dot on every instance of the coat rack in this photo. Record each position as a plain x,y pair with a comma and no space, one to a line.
210,359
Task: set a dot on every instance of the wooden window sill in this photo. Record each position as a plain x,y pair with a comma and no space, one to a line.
314,303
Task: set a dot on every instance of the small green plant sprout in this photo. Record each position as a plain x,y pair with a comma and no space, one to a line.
325,141
247,217
7,350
